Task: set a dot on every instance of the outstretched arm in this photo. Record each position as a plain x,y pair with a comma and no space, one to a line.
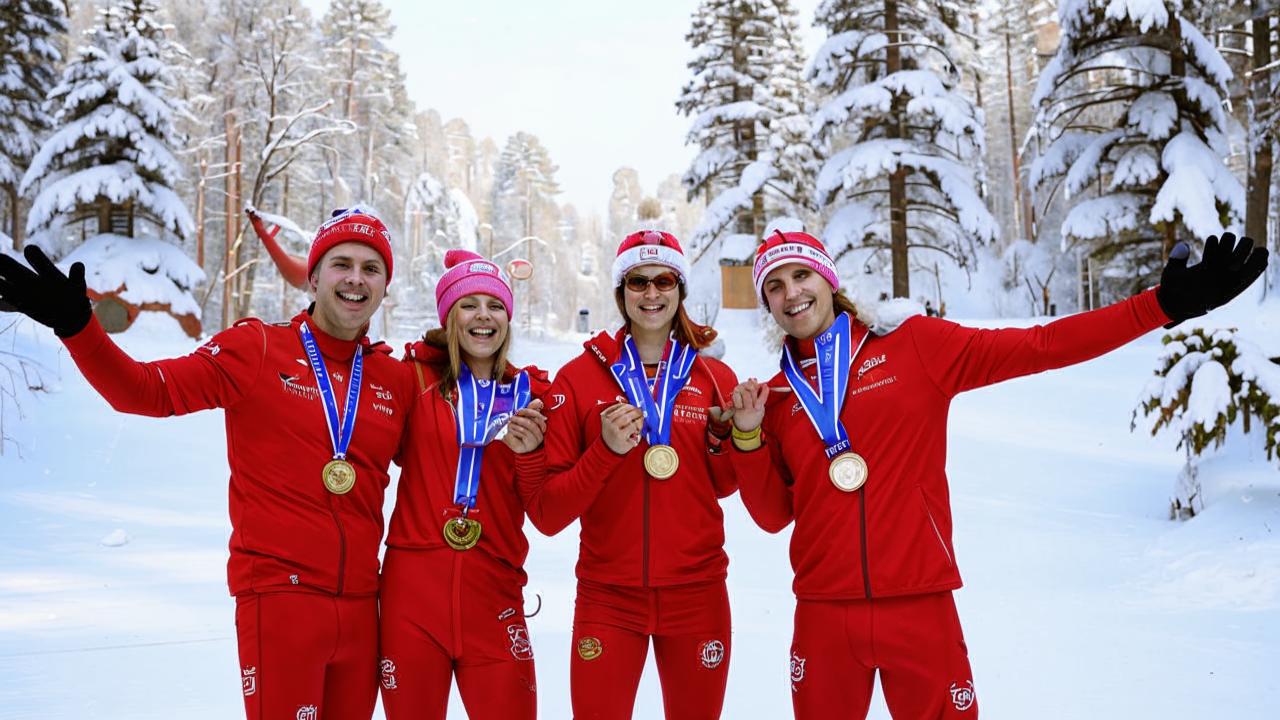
960,358
215,375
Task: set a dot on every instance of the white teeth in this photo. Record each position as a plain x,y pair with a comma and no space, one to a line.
351,296
483,332
650,308
799,308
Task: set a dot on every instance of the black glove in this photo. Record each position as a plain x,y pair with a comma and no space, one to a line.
1225,269
46,295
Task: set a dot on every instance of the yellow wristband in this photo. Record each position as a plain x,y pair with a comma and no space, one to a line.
745,435
748,445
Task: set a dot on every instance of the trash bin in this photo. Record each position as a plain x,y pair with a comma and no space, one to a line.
584,320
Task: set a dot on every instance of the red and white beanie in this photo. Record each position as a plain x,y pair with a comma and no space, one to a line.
467,273
794,247
649,247
351,225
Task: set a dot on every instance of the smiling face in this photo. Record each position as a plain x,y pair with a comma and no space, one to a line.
481,324
349,284
651,309
799,299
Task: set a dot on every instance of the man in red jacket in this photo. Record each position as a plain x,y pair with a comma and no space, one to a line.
314,414
853,436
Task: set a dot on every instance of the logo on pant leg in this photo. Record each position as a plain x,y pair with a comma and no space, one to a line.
306,712
521,648
962,697
249,680
388,669
711,654
589,648
797,671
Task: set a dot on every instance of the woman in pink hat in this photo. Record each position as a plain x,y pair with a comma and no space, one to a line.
633,454
849,443
452,601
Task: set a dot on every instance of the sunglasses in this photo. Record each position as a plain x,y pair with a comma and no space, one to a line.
664,282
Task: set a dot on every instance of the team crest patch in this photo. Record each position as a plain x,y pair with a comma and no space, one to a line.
521,648
589,648
962,696
249,680
711,654
306,712
797,671
388,669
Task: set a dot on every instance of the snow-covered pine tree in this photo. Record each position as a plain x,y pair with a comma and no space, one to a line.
524,213
29,33
1133,105
902,140
1208,381
748,101
110,156
110,160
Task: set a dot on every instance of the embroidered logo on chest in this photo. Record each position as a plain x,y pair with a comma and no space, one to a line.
868,364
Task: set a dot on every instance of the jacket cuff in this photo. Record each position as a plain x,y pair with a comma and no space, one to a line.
88,340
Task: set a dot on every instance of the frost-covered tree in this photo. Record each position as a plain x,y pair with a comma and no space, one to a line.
369,86
1133,106
525,217
111,157
437,217
29,33
748,101
903,142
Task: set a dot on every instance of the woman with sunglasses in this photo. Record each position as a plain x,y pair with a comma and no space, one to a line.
452,602
633,450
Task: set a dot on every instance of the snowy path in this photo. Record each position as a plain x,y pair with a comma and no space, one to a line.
1081,599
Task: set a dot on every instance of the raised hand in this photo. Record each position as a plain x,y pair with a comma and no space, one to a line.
749,400
1225,269
620,426
46,295
526,429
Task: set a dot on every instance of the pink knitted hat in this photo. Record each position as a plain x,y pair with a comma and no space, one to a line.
794,247
466,273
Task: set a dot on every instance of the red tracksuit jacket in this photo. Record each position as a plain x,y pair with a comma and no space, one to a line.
429,461
288,531
893,536
636,531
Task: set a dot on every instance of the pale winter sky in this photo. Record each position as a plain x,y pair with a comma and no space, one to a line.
595,80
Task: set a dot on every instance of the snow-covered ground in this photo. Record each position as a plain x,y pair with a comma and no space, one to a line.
1081,598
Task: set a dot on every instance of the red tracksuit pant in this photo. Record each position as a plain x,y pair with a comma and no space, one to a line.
447,612
307,655
914,641
612,625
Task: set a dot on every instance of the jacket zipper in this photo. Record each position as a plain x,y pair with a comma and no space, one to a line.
342,545
866,568
644,548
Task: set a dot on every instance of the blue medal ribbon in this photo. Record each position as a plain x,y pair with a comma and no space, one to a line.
673,373
340,429
834,357
484,409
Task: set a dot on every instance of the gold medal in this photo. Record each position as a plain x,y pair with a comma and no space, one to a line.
661,461
339,476
848,472
461,533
